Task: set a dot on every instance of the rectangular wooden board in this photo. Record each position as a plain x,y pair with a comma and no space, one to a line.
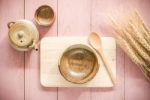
52,47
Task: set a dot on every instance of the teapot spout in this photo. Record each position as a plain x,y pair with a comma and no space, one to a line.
34,45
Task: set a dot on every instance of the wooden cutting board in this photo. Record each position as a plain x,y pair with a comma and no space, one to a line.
52,47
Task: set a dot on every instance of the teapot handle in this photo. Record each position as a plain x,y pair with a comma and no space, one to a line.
10,24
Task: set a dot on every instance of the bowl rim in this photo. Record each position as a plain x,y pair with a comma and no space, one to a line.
95,70
36,15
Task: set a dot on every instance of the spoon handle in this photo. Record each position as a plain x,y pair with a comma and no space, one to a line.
107,66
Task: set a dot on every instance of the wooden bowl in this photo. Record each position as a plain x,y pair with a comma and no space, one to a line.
78,64
45,15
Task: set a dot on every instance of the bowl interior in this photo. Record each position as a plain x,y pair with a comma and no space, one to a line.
78,64
44,15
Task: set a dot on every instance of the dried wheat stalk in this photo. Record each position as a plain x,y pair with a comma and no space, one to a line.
144,27
134,38
137,35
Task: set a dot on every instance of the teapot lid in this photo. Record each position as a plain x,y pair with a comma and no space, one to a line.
23,33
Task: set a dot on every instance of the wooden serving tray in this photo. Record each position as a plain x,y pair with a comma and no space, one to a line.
52,47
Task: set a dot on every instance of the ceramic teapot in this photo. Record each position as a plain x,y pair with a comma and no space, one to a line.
23,35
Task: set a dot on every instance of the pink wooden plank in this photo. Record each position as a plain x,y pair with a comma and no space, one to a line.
74,17
11,61
73,20
136,86
33,88
101,9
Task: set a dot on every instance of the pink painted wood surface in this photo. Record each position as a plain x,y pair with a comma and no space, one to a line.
33,88
11,61
132,85
74,20
101,9
74,17
136,86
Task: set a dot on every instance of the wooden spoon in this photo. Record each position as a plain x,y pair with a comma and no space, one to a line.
95,41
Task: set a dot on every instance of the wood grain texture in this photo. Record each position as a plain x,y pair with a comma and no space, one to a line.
50,75
136,86
101,9
74,17
116,92
11,61
74,20
33,88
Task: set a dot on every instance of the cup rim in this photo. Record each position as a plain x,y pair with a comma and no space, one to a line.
36,15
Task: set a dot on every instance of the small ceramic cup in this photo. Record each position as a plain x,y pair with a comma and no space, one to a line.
78,64
44,15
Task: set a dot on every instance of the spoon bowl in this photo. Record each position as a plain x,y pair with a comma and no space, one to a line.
95,40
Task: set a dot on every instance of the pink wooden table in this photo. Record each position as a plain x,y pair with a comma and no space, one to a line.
19,71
